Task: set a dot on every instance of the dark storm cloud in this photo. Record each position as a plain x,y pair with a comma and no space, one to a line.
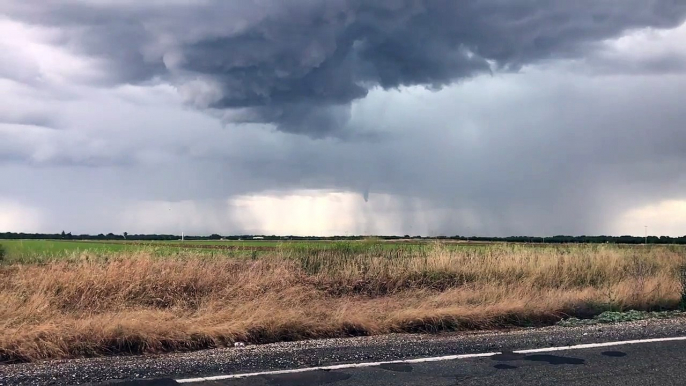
299,64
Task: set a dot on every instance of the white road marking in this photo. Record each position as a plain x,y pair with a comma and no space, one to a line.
431,359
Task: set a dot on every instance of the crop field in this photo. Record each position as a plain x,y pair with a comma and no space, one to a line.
27,251
45,250
62,299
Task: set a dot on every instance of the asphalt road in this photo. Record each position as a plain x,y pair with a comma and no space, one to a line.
633,365
659,363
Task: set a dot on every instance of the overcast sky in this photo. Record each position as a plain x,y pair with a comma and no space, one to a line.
313,117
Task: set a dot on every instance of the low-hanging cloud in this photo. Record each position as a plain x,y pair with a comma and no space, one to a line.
300,64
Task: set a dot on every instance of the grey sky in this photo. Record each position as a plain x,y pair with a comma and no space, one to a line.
453,117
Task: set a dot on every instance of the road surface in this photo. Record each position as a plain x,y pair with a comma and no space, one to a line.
637,364
656,356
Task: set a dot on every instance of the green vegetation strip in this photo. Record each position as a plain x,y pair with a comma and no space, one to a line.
608,317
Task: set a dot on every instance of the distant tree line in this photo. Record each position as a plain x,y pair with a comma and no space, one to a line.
516,239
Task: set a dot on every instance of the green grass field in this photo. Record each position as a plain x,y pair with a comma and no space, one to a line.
258,243
30,250
33,251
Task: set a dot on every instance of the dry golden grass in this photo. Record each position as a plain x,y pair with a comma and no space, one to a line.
139,303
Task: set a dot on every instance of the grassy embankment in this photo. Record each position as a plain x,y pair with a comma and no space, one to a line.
139,301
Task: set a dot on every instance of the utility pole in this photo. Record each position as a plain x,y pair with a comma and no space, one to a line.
646,235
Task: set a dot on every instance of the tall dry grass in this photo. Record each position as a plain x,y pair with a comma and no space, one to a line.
140,303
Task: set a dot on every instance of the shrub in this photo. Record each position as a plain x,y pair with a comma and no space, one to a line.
2,253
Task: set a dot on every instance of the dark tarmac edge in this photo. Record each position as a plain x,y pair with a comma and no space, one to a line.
289,355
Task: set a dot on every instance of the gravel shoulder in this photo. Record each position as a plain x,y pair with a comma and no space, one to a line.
325,352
